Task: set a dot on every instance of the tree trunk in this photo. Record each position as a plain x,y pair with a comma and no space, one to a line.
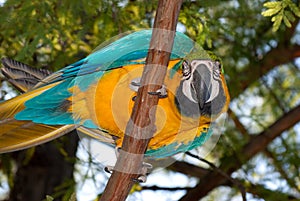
47,169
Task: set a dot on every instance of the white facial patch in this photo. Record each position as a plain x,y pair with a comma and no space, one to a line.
186,89
213,85
214,90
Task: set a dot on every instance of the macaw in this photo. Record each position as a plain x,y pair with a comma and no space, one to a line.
96,94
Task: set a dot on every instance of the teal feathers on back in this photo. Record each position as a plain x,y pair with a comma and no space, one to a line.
131,49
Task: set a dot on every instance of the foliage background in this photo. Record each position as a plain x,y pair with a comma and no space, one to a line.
260,146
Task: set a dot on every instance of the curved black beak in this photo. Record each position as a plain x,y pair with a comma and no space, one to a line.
201,85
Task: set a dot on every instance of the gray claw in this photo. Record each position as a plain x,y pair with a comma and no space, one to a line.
135,84
146,168
109,169
142,178
162,92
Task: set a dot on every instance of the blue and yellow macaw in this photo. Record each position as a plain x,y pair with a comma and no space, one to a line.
97,93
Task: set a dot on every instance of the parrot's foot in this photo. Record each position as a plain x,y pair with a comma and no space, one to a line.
142,178
136,83
109,168
161,93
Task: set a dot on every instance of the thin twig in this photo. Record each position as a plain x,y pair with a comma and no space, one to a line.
159,188
238,124
215,168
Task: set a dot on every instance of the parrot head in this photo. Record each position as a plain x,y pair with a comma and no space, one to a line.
202,90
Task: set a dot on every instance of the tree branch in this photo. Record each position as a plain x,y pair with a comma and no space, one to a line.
240,127
140,127
280,55
188,169
283,53
224,174
278,165
249,150
262,192
158,188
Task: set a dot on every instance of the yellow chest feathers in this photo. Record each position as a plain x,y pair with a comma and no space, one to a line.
108,103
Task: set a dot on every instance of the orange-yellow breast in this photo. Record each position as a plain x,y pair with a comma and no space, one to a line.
108,103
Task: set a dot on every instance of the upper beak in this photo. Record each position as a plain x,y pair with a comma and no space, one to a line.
201,84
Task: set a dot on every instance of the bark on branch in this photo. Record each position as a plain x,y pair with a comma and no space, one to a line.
188,169
140,127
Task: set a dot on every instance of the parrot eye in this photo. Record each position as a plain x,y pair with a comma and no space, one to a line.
186,70
219,66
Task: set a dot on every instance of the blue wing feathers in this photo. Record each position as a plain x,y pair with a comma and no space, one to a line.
125,51
52,95
83,82
61,118
48,107
90,124
45,106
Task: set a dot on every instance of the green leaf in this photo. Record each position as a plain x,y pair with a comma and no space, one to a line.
271,11
295,9
286,21
73,197
272,4
28,155
277,22
289,15
49,198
